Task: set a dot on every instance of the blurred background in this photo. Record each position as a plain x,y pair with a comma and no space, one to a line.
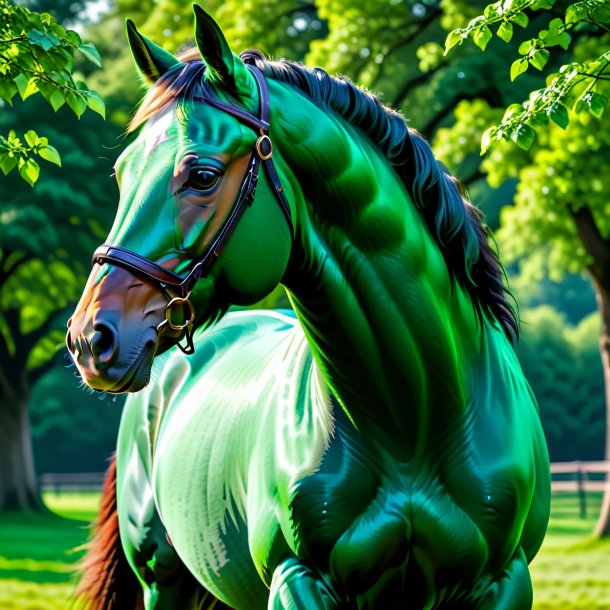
56,436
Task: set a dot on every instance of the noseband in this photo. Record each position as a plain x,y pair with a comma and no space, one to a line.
262,153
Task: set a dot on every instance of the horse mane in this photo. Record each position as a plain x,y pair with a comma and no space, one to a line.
455,224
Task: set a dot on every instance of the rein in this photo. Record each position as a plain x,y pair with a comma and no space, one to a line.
261,154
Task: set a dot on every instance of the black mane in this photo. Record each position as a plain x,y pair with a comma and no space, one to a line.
456,225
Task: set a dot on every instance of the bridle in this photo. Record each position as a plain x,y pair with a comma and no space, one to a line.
261,153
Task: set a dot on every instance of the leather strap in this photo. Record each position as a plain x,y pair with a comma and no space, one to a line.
262,152
127,258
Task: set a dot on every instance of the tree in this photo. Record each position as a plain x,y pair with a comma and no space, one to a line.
560,220
46,235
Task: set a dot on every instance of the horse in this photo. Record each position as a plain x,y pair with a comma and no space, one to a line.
382,449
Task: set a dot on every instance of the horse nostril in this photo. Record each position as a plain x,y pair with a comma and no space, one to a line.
103,342
69,342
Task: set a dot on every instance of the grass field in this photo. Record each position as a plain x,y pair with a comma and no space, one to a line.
37,556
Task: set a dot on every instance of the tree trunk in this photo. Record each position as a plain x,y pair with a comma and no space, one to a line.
18,485
598,248
602,528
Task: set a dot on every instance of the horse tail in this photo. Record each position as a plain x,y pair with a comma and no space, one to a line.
107,581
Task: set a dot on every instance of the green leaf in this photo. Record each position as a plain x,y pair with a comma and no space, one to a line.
597,104
21,80
91,53
556,24
7,90
452,39
31,137
30,89
505,31
30,170
521,19
76,102
523,136
525,47
575,12
7,163
511,111
43,39
73,37
518,67
539,58
57,99
562,39
559,115
601,14
47,18
488,137
95,102
490,12
538,119
481,37
49,153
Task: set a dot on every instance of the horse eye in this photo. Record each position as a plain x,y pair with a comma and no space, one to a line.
203,179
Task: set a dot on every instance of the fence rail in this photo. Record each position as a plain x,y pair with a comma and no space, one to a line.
584,477
72,481
575,477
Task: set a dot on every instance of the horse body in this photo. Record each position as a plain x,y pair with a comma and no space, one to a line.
255,440
267,469
423,482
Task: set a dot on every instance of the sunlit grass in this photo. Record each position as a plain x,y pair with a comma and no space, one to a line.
38,554
572,570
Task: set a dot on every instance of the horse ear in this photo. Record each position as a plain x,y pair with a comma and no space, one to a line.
152,61
224,67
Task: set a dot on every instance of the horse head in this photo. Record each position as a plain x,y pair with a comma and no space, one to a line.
199,225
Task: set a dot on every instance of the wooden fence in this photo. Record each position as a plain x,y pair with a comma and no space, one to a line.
580,478
570,477
71,481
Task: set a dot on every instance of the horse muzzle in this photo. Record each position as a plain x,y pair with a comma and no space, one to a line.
113,336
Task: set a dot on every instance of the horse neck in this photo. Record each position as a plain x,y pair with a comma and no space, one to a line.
391,332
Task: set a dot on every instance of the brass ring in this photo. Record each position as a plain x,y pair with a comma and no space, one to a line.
258,147
181,300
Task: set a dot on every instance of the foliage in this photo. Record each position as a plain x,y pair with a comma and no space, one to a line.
37,56
575,85
563,366
68,420
47,235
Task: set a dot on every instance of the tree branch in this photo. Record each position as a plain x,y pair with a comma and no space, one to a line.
5,274
414,82
418,27
491,96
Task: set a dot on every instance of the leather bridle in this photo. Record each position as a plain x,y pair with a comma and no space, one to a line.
262,153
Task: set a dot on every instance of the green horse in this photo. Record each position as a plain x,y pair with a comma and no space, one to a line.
382,449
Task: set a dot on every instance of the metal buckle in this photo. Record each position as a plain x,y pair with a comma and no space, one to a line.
259,143
179,301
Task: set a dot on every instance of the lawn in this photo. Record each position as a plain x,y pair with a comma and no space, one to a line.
572,570
37,556
38,552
